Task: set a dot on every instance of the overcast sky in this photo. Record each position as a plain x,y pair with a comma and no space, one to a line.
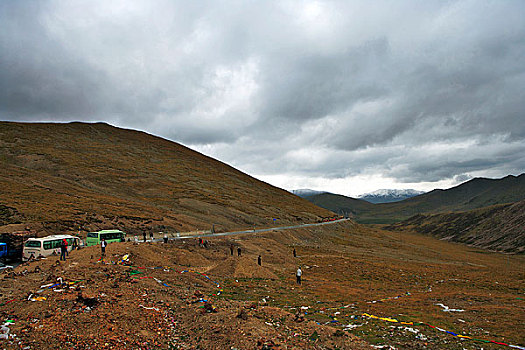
342,96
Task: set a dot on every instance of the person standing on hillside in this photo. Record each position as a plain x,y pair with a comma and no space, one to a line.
103,246
294,253
165,238
63,250
238,251
151,236
231,249
259,260
67,244
298,274
144,235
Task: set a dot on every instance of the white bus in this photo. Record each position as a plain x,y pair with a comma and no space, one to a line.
45,246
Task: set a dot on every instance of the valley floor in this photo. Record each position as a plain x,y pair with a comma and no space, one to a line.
362,288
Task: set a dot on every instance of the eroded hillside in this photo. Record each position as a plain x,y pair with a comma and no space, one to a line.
500,227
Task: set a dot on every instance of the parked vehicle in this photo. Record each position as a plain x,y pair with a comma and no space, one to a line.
4,266
3,251
45,246
94,238
12,244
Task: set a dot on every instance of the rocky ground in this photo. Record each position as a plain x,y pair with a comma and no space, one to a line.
362,288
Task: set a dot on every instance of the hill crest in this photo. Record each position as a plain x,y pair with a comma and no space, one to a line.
95,176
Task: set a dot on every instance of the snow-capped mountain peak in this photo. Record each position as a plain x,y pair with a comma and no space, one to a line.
389,195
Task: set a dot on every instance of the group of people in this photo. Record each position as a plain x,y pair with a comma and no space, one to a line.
150,236
238,250
204,243
259,258
144,235
298,273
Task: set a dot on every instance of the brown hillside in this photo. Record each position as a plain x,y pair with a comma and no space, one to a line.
62,176
500,227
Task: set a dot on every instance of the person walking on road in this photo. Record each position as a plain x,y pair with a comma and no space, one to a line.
103,244
298,274
165,238
151,236
144,235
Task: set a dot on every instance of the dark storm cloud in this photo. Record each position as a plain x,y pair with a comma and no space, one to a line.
38,76
414,91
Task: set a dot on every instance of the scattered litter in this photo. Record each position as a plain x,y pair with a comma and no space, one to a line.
149,308
390,298
30,298
352,326
410,329
393,320
4,331
447,309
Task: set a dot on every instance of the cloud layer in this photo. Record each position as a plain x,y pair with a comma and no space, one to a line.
299,93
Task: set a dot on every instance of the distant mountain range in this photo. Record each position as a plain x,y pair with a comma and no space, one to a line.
473,194
305,192
379,196
389,196
486,213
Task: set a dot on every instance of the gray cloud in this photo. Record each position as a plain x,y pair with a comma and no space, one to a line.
414,91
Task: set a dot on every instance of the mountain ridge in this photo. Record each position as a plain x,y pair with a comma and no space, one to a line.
304,192
473,194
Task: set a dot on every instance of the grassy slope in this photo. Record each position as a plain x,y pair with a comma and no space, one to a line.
96,175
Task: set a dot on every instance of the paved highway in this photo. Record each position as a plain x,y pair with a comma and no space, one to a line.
256,231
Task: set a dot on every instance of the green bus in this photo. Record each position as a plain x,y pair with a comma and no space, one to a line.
94,238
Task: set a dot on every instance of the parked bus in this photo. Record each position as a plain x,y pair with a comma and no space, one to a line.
45,246
3,251
94,238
